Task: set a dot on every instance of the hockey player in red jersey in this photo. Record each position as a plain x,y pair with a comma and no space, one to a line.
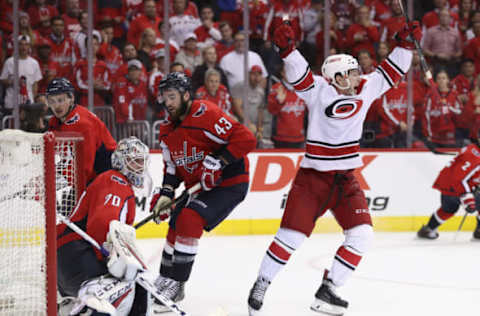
458,184
98,143
82,269
200,143
337,105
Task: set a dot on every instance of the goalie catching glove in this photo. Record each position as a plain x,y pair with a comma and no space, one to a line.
161,198
468,202
125,260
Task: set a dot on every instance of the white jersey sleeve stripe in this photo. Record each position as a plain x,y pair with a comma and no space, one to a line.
467,177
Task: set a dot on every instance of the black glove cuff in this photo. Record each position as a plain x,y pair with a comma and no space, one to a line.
167,192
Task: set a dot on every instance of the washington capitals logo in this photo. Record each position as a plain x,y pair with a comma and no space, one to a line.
73,120
184,159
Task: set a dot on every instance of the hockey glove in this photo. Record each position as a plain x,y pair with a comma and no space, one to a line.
161,198
211,172
468,202
405,38
284,40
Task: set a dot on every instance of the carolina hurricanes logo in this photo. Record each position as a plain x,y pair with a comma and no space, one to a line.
343,108
200,110
73,120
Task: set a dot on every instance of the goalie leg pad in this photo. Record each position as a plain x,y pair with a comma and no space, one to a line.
357,241
105,295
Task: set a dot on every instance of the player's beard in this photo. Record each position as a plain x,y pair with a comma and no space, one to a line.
180,111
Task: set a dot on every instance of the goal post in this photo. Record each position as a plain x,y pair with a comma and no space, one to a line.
39,176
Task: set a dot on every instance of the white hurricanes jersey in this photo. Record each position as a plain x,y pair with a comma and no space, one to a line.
335,121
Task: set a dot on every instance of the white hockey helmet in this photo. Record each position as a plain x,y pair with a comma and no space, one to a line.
131,158
339,64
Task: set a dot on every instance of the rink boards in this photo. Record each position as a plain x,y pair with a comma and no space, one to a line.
397,184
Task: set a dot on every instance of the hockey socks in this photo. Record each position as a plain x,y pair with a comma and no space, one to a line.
438,218
166,265
285,242
357,241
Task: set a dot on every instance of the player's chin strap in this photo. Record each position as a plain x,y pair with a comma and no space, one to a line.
144,278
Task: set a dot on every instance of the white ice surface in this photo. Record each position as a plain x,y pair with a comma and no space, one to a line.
400,276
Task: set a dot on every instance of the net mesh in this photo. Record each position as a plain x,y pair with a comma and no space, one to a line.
22,227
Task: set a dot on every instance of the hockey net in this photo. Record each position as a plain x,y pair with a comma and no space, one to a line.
36,170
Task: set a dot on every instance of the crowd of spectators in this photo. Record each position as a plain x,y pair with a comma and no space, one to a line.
207,42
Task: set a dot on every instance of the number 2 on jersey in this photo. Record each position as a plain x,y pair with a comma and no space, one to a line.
222,126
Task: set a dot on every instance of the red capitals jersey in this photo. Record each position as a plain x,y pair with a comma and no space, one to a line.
205,130
122,72
371,36
289,124
439,118
97,139
41,13
391,26
63,53
222,98
130,100
109,197
100,74
111,55
379,10
462,174
392,109
50,70
276,14
472,51
138,25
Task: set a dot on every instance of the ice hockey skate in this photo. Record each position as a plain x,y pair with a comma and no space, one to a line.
327,301
172,290
257,293
427,233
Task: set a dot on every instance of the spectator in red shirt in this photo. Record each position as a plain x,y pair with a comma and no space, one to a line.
217,93
366,63
40,11
432,18
441,110
129,53
472,107
390,112
71,18
363,34
102,80
24,28
443,45
463,84
380,9
158,72
225,45
472,48
50,68
465,13
207,33
160,43
392,25
62,48
344,10
130,96
288,111
108,52
148,19
111,12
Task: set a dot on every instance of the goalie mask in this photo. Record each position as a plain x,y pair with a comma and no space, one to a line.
131,158
340,64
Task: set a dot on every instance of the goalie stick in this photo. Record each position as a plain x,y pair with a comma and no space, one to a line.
185,194
144,279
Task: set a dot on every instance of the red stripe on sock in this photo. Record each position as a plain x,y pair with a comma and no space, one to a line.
279,252
348,256
443,215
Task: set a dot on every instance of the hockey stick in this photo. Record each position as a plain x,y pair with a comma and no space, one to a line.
185,194
460,226
144,279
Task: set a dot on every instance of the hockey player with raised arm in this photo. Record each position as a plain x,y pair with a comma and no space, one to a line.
337,105
200,144
98,283
458,184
